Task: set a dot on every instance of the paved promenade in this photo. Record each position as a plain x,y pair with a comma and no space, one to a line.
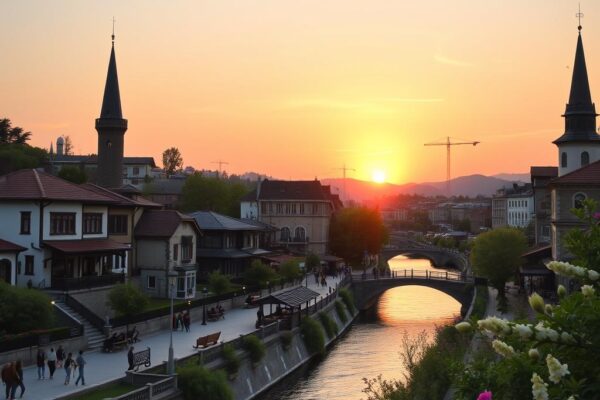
102,367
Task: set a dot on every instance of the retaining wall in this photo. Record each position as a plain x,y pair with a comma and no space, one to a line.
28,354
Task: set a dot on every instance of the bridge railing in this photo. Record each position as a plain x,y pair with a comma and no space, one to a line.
421,274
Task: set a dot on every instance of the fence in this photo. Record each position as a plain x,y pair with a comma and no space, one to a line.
151,390
86,282
420,274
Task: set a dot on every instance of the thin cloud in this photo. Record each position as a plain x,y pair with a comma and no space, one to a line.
449,61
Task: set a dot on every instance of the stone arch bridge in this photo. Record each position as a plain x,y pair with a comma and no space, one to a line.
439,256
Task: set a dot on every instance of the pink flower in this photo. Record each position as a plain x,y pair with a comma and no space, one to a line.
596,215
487,395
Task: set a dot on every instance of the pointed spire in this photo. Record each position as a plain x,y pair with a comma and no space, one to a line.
111,103
580,97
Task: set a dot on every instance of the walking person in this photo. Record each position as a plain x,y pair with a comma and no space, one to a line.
52,362
186,321
130,358
19,371
41,364
179,321
68,367
9,378
60,356
81,364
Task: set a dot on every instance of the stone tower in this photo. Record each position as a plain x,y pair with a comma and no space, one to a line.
111,127
580,144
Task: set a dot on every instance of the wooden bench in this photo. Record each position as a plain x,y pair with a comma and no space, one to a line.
120,344
215,316
208,340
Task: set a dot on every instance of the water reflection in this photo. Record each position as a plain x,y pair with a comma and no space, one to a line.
373,344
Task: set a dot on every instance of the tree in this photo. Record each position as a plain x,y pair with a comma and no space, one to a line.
23,310
172,161
73,174
496,255
197,382
9,134
14,157
259,274
311,262
290,271
212,194
356,230
218,283
127,300
584,244
68,145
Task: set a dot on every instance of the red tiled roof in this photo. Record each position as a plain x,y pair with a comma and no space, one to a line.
30,184
86,246
548,172
161,223
118,198
10,247
293,190
588,175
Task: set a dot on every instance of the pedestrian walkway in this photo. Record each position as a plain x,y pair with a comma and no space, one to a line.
103,367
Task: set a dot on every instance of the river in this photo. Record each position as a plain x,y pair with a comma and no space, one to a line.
372,345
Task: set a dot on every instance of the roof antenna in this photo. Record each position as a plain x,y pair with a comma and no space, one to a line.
579,15
113,32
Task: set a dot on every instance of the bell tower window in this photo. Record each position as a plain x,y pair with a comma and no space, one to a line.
585,158
563,160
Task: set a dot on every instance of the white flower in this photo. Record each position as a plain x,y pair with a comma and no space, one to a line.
566,337
503,349
556,369
561,291
548,309
537,303
588,291
593,275
534,354
463,327
552,334
524,331
539,389
494,325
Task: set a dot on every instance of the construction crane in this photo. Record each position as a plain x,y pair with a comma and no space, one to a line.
221,163
344,169
448,143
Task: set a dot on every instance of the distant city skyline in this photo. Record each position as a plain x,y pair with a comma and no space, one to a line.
298,90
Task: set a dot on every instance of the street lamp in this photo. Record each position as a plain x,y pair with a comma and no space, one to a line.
171,362
204,292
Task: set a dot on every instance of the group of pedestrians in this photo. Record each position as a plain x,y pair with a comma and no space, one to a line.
182,321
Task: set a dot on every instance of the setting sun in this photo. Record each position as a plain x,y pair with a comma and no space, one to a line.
378,176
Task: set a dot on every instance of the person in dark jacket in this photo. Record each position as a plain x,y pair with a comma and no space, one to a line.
186,321
41,364
68,368
10,379
20,383
130,359
60,356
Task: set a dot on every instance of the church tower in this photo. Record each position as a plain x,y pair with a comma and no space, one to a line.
580,144
111,127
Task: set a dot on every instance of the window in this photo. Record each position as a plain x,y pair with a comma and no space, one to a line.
136,171
546,231
301,208
563,160
28,265
25,222
187,248
315,209
92,223
585,158
299,234
578,200
175,251
208,241
62,223
279,208
117,224
151,282
285,234
263,208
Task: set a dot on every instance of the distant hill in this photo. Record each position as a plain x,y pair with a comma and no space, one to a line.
471,185
524,177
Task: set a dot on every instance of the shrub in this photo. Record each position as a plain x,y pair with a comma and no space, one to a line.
255,347
348,300
218,283
232,361
341,311
259,274
23,310
286,339
197,382
329,324
127,300
290,271
313,336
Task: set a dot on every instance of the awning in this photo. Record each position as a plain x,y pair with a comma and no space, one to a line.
257,252
294,297
10,247
88,246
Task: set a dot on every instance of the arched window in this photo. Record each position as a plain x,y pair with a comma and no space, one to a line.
563,160
578,200
585,158
299,234
285,234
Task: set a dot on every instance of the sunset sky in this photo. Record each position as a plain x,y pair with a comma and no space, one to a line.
295,89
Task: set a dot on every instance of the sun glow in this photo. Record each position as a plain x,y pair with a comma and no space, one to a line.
378,176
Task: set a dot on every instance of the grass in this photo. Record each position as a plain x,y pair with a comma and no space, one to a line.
113,390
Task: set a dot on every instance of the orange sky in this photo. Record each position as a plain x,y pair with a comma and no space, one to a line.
297,88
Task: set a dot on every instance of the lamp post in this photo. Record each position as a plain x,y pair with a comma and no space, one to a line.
171,361
204,292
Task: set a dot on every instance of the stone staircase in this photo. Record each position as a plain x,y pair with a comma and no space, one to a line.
94,336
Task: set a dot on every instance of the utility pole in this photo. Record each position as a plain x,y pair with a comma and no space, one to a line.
221,163
448,143
344,170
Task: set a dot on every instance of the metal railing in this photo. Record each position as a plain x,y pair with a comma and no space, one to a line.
150,390
82,310
86,282
420,274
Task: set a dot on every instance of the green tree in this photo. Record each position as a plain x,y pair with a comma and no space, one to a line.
73,174
496,255
127,300
68,145
311,262
290,271
218,283
14,157
10,134
213,194
23,310
259,274
172,161
356,230
197,382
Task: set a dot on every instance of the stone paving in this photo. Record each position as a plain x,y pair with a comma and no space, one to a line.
103,367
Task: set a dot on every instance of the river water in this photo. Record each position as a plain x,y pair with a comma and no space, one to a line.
372,345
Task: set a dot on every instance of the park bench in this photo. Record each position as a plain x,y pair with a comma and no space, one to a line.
216,315
141,358
120,344
208,340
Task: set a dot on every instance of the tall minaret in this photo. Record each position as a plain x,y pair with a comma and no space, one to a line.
580,144
111,127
